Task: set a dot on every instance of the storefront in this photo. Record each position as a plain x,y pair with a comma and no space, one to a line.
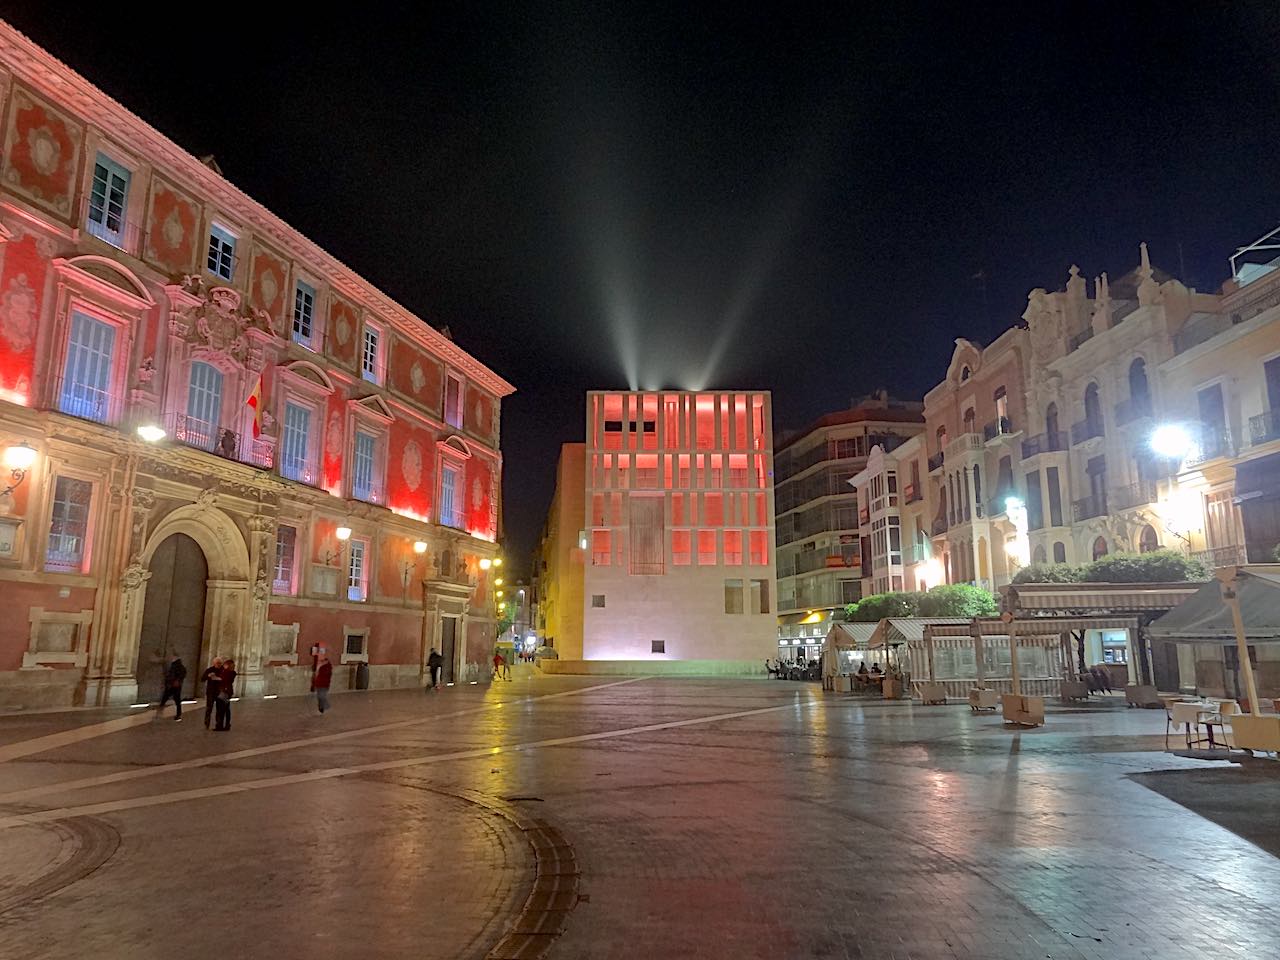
801,635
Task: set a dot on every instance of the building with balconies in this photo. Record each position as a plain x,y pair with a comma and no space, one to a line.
219,439
820,550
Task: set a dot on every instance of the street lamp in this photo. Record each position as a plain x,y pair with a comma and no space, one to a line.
18,458
343,534
151,432
1172,441
485,563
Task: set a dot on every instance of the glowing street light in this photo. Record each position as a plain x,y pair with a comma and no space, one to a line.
419,547
485,563
1172,441
343,534
151,433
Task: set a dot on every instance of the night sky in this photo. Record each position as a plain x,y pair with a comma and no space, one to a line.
683,198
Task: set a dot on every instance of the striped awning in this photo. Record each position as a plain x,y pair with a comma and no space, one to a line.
1102,598
1031,626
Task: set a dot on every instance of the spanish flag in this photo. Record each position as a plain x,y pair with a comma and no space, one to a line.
255,404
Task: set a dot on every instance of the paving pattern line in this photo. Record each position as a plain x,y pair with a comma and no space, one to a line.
102,780
25,748
245,786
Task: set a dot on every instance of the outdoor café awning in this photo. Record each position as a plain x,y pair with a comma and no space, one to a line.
852,635
1206,618
1031,626
895,631
1110,598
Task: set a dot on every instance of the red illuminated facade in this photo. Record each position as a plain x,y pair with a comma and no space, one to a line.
140,289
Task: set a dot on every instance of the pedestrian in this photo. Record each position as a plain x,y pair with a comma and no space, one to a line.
506,668
434,663
174,674
497,664
320,683
211,680
226,689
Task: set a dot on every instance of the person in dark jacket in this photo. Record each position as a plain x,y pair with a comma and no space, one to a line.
212,681
226,690
434,663
320,683
174,674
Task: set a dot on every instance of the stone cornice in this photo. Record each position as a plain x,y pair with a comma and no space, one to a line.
55,80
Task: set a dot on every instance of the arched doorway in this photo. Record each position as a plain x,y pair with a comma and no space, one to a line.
1148,540
173,615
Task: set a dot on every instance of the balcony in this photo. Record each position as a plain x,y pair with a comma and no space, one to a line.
1091,506
1000,427
1229,556
939,526
1086,430
965,442
220,441
1138,494
305,470
107,223
1050,442
912,494
1133,410
937,460
1265,427
1213,442
86,401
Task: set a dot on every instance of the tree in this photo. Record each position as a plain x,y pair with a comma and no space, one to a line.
957,600
1158,566
878,606
1049,573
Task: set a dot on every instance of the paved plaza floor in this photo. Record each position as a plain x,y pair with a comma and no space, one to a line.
574,817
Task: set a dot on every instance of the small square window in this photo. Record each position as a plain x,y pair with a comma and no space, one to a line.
658,646
355,644
222,252
597,600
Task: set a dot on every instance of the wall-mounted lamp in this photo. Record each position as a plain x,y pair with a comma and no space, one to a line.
18,459
343,534
485,563
151,433
419,547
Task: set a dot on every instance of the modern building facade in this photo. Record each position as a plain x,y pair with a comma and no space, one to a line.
820,551
671,560
219,440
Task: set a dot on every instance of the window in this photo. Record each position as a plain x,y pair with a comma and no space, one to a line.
453,401
355,645
648,538
295,460
222,252
1148,540
1059,552
733,548
364,473
450,492
69,525
371,354
1038,556
601,551
657,646
304,307
1055,496
759,548
759,596
733,596
86,378
681,548
357,570
204,407
706,548
597,600
108,199
1092,411
286,549
713,509
1035,501
1099,548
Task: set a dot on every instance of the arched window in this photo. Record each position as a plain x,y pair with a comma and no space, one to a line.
1038,556
1059,552
970,421
1147,539
1052,440
1139,393
964,373
1092,411
1099,548
942,438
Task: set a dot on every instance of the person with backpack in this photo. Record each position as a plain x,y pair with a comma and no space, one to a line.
174,675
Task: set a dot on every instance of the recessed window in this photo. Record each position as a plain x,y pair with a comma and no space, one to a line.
295,457
706,548
733,596
658,646
286,549
453,401
357,570
304,308
354,647
601,551
204,408
733,548
222,252
597,600
450,495
681,548
365,482
760,596
108,200
69,525
86,378
371,354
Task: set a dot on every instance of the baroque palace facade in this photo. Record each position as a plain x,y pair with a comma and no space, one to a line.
217,439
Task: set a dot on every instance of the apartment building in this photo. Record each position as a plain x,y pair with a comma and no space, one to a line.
820,549
673,560
218,439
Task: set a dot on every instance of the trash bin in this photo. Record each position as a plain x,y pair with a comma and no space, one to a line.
362,676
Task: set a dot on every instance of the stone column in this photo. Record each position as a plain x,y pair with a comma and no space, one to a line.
261,532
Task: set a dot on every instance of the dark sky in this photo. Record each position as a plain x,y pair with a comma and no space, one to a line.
586,195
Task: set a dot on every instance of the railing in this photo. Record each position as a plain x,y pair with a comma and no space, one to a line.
937,460
939,526
308,471
1135,408
965,441
913,493
1265,427
1091,506
1213,442
1000,427
103,223
85,401
1085,430
996,505
221,441
1232,555
1134,495
1049,442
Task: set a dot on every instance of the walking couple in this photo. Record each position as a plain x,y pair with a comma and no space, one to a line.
219,688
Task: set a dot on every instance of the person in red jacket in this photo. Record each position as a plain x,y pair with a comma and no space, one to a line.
320,683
